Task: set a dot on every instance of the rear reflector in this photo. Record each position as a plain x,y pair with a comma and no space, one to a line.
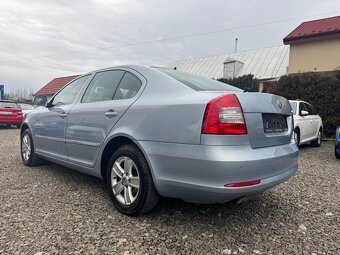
242,184
224,116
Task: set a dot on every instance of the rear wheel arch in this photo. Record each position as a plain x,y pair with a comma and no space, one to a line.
112,146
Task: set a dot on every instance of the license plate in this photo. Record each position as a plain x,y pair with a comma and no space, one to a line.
273,123
6,113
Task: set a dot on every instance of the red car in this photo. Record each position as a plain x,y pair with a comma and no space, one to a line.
10,113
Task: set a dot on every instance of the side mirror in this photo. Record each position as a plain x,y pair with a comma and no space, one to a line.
48,104
304,113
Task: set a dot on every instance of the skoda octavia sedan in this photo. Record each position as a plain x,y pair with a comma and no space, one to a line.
152,132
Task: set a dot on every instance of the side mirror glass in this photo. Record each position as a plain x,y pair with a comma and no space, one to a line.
304,113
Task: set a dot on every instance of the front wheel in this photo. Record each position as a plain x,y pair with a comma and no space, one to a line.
317,141
130,182
337,152
297,136
28,156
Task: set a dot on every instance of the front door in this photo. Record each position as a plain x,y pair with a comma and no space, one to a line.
50,126
106,99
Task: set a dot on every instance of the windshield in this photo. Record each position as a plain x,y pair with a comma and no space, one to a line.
196,82
8,105
26,107
293,105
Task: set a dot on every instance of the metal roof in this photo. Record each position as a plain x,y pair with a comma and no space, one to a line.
266,63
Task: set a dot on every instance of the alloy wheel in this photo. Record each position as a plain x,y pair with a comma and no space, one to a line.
26,147
125,180
319,137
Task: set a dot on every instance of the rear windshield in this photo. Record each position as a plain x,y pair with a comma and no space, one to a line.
293,105
26,107
8,105
196,82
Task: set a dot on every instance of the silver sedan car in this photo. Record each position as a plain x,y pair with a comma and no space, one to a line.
151,132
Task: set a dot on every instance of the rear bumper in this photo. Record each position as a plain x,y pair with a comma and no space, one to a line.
198,173
12,121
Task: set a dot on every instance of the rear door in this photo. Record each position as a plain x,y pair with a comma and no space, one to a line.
108,96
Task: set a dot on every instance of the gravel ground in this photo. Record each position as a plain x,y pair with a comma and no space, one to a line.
54,210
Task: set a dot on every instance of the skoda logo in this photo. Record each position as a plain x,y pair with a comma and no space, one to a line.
279,104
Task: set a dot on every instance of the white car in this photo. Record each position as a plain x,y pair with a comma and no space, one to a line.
307,123
26,108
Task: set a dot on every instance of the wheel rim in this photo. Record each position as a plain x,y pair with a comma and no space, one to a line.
26,147
125,180
296,138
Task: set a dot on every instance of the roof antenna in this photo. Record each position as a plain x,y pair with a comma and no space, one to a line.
236,40
175,68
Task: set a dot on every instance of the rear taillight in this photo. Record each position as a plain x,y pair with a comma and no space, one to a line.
20,113
224,116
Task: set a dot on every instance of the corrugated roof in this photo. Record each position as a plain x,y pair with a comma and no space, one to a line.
314,28
55,85
266,63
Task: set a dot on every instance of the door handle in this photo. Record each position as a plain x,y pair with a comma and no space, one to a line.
110,114
63,115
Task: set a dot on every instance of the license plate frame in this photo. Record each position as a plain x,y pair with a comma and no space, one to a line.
274,123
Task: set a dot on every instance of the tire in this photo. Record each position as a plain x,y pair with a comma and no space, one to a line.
337,155
135,193
29,158
297,136
317,141
18,126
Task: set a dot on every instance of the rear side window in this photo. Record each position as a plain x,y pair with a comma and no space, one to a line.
196,82
128,87
103,86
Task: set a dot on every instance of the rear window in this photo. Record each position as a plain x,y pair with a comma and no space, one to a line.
196,82
26,107
8,105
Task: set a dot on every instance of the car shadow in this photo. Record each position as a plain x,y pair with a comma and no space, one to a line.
176,211
7,127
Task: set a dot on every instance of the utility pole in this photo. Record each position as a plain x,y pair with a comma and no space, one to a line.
236,40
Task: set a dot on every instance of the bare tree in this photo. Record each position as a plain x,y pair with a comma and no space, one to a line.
20,95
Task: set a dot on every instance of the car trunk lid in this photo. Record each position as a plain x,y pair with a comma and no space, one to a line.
268,117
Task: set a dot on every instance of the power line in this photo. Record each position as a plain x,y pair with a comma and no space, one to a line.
180,37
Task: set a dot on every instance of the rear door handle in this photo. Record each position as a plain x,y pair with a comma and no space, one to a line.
110,114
